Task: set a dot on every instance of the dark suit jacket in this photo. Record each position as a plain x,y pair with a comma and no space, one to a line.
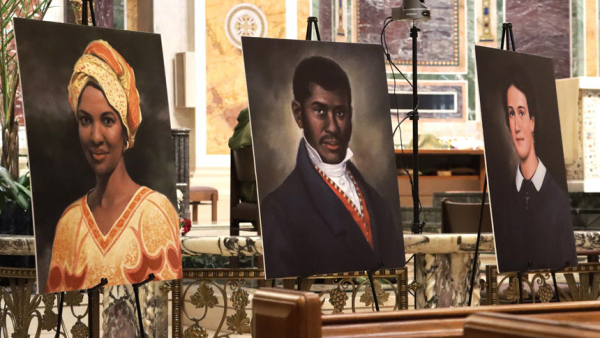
534,226
307,230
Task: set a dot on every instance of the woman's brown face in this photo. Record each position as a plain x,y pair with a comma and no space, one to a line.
100,131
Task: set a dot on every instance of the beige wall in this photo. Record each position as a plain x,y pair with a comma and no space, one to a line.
174,20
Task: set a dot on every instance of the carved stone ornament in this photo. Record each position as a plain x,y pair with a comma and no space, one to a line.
195,331
239,322
73,298
512,291
239,298
204,297
79,330
367,297
546,292
338,298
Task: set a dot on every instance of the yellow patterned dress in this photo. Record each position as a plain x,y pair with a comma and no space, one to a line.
143,240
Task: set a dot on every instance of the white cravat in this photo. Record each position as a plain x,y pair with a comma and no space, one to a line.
337,173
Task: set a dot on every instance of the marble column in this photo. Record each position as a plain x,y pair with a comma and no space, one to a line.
181,142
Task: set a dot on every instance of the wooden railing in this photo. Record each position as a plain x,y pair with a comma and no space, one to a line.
295,314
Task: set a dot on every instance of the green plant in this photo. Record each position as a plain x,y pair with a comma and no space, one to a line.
9,75
15,191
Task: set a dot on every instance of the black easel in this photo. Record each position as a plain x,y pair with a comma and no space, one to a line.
312,20
475,265
84,12
508,33
91,296
520,279
510,39
372,282
136,291
60,310
553,273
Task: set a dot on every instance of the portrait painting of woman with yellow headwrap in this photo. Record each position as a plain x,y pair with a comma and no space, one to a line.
119,230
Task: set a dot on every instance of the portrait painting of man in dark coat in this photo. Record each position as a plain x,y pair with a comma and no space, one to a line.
531,211
322,137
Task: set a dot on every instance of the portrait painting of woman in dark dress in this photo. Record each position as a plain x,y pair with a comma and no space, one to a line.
531,210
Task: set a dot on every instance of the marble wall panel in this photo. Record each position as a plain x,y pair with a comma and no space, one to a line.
542,27
441,43
104,11
326,19
119,14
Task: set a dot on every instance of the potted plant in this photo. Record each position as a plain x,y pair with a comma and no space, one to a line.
15,197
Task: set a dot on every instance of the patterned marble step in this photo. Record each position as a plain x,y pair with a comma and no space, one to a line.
585,242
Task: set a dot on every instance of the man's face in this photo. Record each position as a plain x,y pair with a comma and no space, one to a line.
520,122
326,118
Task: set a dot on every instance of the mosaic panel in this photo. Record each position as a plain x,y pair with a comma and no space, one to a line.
326,18
486,23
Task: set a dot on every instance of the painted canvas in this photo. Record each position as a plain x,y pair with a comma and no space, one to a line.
531,212
101,155
325,164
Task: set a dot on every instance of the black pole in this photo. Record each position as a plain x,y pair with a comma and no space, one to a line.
370,274
474,271
416,227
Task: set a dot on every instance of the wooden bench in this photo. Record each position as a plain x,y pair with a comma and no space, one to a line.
294,314
500,325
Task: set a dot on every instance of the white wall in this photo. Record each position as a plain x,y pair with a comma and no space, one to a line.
174,20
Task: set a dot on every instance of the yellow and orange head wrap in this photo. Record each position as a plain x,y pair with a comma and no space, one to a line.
102,64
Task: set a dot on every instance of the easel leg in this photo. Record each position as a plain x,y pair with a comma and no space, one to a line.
136,291
553,273
60,310
370,274
555,286
475,270
93,318
520,281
